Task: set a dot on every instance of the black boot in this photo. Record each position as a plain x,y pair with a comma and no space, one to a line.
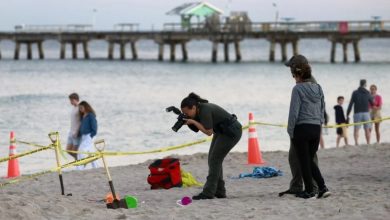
323,193
305,195
289,191
220,195
202,196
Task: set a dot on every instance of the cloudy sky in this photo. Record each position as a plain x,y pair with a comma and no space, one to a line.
152,12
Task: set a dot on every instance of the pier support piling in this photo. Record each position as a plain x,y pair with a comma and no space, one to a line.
284,51
29,51
160,52
272,51
111,50
345,52
214,53
17,51
226,51
184,51
40,50
133,50
237,50
122,50
173,52
295,47
356,50
62,50
86,50
74,50
333,52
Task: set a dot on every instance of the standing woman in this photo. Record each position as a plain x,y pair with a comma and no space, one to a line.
307,110
211,119
375,110
88,130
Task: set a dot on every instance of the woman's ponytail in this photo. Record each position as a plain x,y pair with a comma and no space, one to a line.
197,98
303,71
191,100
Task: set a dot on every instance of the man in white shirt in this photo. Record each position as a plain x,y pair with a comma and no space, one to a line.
73,136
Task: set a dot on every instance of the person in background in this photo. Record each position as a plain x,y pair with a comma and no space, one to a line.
360,100
324,130
73,135
307,110
296,183
375,110
88,131
340,119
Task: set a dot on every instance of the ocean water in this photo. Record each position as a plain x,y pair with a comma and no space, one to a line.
130,97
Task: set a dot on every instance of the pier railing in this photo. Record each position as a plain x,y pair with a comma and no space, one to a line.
54,28
318,26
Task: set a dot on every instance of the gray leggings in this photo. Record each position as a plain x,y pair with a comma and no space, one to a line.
219,148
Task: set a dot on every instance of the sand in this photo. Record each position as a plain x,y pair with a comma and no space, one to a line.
358,177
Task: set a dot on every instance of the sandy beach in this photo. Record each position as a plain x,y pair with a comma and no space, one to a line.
358,177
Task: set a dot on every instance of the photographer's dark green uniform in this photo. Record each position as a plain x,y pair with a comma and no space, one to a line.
227,132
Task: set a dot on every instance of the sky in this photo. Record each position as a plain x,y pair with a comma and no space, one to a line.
152,13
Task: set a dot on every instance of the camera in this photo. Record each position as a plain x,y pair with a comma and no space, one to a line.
180,119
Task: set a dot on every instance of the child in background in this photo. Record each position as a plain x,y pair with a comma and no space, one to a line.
340,119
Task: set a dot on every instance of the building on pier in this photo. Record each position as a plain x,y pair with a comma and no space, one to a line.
201,10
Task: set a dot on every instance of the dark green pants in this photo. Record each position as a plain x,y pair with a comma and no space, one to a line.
219,148
296,184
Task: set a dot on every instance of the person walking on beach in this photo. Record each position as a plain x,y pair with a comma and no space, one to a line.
211,119
88,131
73,135
296,183
360,100
375,110
340,119
307,109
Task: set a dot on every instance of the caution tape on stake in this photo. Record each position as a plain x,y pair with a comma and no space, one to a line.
327,126
160,150
29,143
4,159
34,175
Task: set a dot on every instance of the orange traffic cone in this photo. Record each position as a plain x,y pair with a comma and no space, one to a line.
13,164
254,153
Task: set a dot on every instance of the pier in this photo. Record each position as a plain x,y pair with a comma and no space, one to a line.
172,36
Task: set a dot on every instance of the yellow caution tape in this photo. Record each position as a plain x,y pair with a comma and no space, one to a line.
25,153
358,123
29,143
160,150
31,176
328,126
171,148
97,155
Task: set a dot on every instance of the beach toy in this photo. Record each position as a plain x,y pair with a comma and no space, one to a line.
13,164
110,197
254,153
131,202
184,201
